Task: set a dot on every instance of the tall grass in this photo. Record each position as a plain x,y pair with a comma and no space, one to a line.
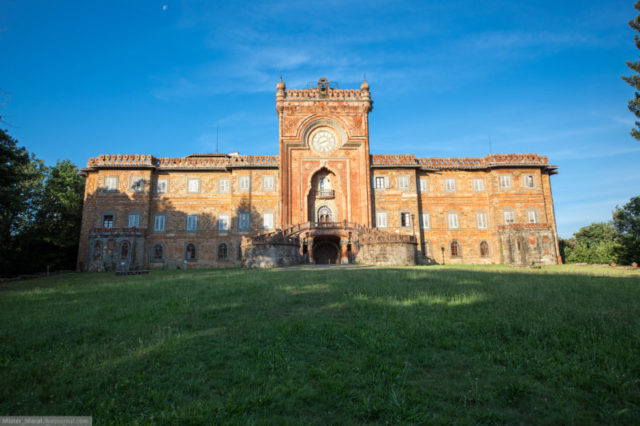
404,345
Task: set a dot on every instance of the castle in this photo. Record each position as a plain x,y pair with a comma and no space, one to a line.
323,199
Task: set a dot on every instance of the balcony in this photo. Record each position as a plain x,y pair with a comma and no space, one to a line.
325,193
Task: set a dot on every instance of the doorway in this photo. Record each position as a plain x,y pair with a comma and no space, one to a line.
326,250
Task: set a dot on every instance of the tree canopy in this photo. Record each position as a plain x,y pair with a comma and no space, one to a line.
627,224
40,211
634,79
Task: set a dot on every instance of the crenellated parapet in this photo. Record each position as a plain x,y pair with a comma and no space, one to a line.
462,163
190,162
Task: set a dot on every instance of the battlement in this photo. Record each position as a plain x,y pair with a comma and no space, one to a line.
164,163
323,92
492,160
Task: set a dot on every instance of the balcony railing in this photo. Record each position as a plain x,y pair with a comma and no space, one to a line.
325,193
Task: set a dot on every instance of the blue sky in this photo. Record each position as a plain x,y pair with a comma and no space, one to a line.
83,78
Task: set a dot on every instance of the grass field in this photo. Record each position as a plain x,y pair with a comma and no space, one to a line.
404,345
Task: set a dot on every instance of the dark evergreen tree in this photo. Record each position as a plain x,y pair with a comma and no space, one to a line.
634,80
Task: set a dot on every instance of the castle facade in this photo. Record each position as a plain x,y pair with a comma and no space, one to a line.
323,199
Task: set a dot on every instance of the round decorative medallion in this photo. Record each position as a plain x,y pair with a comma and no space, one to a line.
324,140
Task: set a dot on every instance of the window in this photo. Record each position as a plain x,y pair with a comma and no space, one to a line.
157,253
324,183
456,250
162,187
223,186
381,219
193,185
381,182
324,214
243,221
484,249
481,220
223,223
108,220
505,181
450,185
110,183
190,252
403,182
425,219
478,185
134,220
244,182
124,250
428,249
192,222
159,222
532,216
267,183
452,220
424,185
405,219
267,221
137,184
223,251
97,250
528,181
509,217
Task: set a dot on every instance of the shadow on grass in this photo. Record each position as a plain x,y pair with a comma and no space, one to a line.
392,345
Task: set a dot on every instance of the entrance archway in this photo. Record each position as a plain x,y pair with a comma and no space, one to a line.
326,250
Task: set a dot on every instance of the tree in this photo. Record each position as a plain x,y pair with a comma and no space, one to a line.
627,224
634,80
40,211
595,243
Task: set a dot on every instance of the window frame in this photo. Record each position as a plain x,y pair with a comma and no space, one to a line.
478,184
385,221
166,186
244,221
425,221
265,224
525,179
224,186
403,182
450,184
191,223
106,187
505,181
458,254
152,257
131,215
405,219
511,213
189,188
223,219
453,214
482,220
195,252
112,222
137,184
244,183
424,184
220,257
270,186
532,213
156,217
488,251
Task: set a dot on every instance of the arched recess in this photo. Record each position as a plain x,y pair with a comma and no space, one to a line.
324,188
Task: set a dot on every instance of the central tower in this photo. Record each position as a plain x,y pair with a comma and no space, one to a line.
324,154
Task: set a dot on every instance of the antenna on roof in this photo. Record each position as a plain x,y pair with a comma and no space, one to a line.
217,133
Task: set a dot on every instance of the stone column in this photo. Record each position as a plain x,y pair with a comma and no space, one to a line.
310,249
344,255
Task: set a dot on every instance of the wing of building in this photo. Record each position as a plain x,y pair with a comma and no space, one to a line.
324,199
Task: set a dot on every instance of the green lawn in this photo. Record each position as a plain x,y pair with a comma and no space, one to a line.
403,345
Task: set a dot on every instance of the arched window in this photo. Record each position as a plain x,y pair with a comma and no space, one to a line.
484,249
97,250
324,183
157,253
190,252
223,251
456,249
324,214
124,250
